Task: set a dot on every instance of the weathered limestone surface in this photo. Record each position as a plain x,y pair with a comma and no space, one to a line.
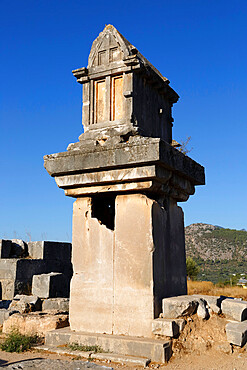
175,307
56,304
25,303
92,259
167,327
235,309
133,266
136,152
121,358
202,310
50,285
122,281
5,313
34,323
7,288
213,302
237,333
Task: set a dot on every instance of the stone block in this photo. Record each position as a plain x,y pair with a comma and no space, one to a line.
5,248
166,327
34,323
175,307
236,333
7,289
56,304
26,268
140,151
50,285
49,250
25,303
5,313
8,268
181,324
18,248
155,349
235,309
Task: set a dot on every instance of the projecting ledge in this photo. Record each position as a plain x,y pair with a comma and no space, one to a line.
136,152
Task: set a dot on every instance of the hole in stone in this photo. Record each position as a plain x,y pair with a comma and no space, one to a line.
103,208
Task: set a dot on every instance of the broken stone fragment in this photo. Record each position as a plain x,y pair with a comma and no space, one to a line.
175,307
236,333
202,310
213,302
235,309
224,347
25,303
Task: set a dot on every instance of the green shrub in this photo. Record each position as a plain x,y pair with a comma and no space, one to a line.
192,268
16,342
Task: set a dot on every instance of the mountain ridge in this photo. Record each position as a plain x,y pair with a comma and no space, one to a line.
219,252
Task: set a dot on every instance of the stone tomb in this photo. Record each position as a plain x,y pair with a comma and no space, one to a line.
128,248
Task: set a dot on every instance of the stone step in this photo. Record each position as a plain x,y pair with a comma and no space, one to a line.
63,351
112,357
166,327
126,359
153,349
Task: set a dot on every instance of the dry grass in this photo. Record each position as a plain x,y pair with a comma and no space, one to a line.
207,287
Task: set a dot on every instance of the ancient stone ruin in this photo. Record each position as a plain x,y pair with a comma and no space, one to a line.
128,249
34,281
128,293
23,264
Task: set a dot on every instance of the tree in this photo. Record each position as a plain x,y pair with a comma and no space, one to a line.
192,268
184,148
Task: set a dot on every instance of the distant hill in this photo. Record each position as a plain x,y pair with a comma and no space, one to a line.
219,252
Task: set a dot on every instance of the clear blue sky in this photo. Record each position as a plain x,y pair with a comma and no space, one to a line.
199,45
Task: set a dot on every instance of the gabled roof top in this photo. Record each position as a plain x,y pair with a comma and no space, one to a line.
127,48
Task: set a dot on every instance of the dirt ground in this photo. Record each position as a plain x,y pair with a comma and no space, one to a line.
210,360
201,345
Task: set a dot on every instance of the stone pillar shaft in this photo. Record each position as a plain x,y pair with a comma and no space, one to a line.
121,275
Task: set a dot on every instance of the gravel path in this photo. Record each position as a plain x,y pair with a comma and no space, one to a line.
49,364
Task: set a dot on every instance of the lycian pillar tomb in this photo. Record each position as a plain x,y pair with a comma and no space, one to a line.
128,247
